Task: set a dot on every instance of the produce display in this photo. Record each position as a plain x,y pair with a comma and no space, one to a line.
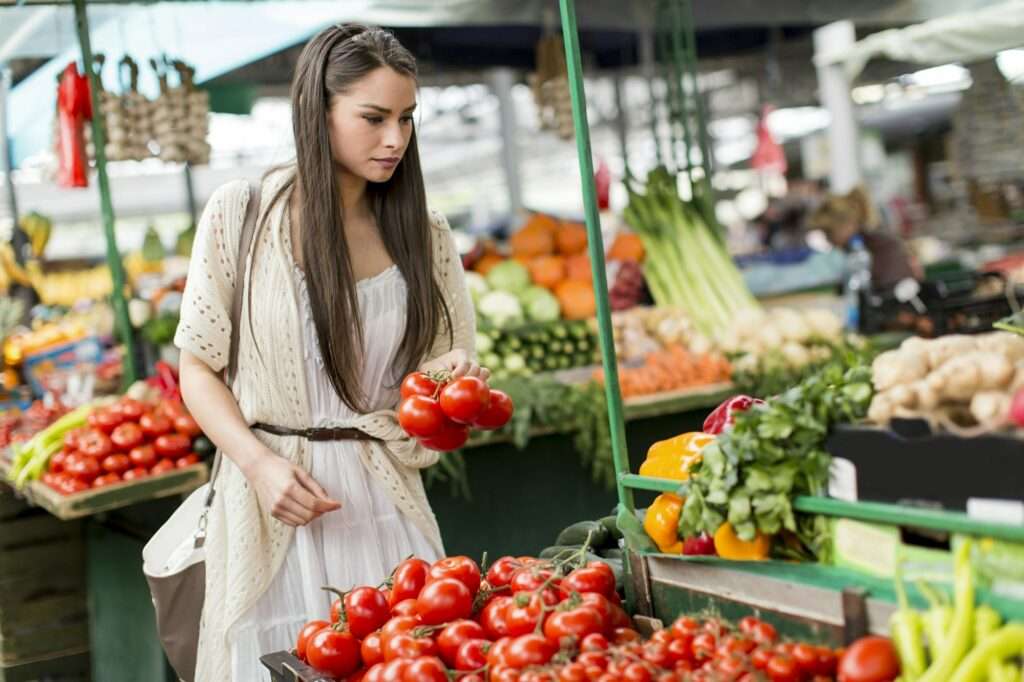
532,349
19,426
955,382
440,411
670,369
643,330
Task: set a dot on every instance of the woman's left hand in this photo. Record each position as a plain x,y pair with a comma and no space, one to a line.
459,363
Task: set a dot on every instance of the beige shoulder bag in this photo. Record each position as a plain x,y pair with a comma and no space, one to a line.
174,558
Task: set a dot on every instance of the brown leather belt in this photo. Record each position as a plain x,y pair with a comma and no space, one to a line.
316,434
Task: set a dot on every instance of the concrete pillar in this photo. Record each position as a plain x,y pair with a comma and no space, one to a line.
834,91
502,80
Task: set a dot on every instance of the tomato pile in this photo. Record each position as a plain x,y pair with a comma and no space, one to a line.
532,620
126,441
19,426
439,412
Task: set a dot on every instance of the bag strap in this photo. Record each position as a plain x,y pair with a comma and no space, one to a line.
252,209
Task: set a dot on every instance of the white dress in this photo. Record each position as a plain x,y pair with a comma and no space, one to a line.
364,540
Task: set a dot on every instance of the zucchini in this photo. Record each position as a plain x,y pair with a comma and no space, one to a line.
612,525
556,550
612,554
577,534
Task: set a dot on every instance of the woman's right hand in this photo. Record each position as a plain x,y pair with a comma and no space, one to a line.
288,491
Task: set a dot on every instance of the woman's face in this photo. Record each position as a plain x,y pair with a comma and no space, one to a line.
371,123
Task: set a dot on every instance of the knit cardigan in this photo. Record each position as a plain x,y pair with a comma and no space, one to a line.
245,545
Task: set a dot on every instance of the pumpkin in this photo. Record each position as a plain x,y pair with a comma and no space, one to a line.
485,264
571,238
576,300
532,241
542,222
627,247
578,268
547,271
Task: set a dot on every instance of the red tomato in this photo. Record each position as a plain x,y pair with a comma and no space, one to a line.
132,410
82,467
604,608
764,633
471,678
398,625
497,413
461,568
172,445
187,461
425,669
685,626
494,617
522,619
162,467
406,645
105,420
498,653
172,409
443,601
370,650
127,436
624,636
530,650
71,485
574,672
394,671
333,652
760,658
732,665
657,654
366,610
620,619
418,383
594,642
505,673
501,571
573,625
455,635
135,474
827,662
587,579
143,456
465,398
452,436
116,464
57,461
704,645
94,443
472,655
408,580
421,417
374,673
71,439
680,649
637,672
869,659
747,624
783,668
154,425
806,657
187,426
404,608
105,480
530,579
306,634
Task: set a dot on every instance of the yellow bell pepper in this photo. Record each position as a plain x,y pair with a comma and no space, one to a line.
730,546
673,458
662,523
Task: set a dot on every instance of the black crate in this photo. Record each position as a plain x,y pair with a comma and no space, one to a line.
908,464
285,667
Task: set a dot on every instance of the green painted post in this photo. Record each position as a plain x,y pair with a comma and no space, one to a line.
121,319
690,32
595,244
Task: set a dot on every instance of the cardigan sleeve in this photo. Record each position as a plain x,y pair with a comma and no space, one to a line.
452,279
204,325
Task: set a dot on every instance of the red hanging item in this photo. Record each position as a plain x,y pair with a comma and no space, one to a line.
74,108
603,185
769,155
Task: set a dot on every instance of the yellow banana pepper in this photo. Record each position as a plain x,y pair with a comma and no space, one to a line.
673,458
662,523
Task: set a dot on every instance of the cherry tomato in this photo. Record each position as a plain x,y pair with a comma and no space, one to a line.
404,608
82,467
366,610
465,398
455,635
105,480
71,439
624,636
421,417
443,601
782,668
497,413
501,571
604,608
460,568
155,425
131,409
374,673
95,443
57,461
70,485
732,665
588,579
162,467
704,645
399,624
685,626
498,653
764,633
530,579
172,445
370,650
806,657
127,436
494,617
595,641
530,650
594,659
425,669
418,383
135,474
306,634
573,625
406,645
522,619
187,426
333,652
394,671
472,655
574,672
505,673
143,456
657,654
116,464
827,662
680,649
761,657
869,659
452,436
105,420
408,580
637,672
187,461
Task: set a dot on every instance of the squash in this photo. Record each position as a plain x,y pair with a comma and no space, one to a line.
571,238
487,263
531,241
576,300
627,247
547,271
578,268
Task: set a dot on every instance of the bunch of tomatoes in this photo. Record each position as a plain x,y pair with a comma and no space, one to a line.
126,441
439,412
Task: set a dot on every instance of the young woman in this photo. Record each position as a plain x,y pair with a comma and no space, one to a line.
351,284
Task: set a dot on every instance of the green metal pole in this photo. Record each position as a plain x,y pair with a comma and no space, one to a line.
595,244
121,319
702,120
678,71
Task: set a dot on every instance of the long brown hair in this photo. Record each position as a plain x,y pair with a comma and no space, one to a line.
331,63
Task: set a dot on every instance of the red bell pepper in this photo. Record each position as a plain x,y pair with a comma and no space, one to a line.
725,414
